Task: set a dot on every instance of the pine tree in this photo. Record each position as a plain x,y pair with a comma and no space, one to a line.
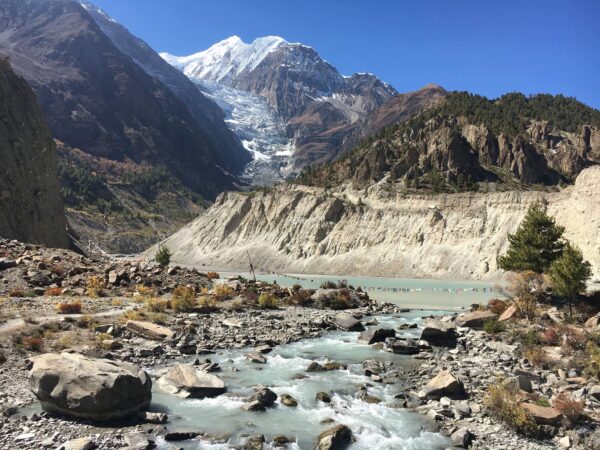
536,245
569,274
163,255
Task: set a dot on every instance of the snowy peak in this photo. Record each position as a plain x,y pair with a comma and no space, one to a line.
226,59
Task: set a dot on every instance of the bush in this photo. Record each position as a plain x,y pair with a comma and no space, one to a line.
156,304
569,274
497,306
33,343
207,302
20,293
69,308
550,336
503,404
493,327
183,299
570,408
86,321
144,290
213,275
223,291
53,292
163,255
157,317
95,286
299,298
535,355
328,285
526,289
267,301
592,365
132,314
237,306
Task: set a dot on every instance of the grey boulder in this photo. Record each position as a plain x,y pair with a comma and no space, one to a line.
187,382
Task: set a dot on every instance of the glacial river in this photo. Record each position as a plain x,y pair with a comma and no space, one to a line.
375,426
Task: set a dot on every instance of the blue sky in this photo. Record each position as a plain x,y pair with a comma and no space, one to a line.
483,46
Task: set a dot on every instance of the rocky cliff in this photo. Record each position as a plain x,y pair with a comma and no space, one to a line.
31,207
379,231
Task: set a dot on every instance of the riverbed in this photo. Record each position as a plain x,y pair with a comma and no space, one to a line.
375,425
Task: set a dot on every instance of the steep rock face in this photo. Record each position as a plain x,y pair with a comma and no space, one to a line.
380,233
97,99
31,208
209,117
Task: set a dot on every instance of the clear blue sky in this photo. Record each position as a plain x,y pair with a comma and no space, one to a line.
484,46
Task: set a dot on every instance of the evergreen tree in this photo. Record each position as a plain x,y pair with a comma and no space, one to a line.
536,245
163,255
569,274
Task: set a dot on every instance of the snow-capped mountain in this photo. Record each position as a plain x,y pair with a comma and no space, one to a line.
305,95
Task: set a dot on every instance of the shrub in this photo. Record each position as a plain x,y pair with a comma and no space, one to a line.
158,317
163,255
493,327
213,275
237,306
328,285
526,289
550,336
497,306
183,299
53,292
572,338
267,301
503,404
64,342
570,408
569,274
535,355
132,314
592,365
20,293
95,286
300,298
341,299
296,288
69,308
33,343
223,291
144,290
156,304
86,321
207,302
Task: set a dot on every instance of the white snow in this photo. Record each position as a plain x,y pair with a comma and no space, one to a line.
225,59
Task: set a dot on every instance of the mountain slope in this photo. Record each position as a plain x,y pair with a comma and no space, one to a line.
378,232
98,101
209,117
31,208
316,103
468,142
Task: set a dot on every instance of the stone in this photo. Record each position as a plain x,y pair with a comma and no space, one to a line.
264,349
565,442
6,263
461,438
256,357
84,443
176,435
323,396
542,415
444,384
336,438
281,440
346,322
373,336
138,441
88,388
255,442
438,333
253,406
150,330
508,314
315,367
287,400
475,319
524,383
187,382
595,392
264,396
402,346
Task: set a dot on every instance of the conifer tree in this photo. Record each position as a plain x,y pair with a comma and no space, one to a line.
537,243
569,274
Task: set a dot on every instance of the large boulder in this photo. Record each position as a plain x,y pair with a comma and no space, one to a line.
150,330
375,335
542,415
444,384
336,438
402,346
439,333
346,322
89,388
187,382
475,319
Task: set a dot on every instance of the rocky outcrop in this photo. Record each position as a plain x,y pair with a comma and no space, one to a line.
291,228
88,388
187,382
31,207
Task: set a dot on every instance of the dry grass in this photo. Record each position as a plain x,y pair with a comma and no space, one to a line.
69,308
53,292
213,275
145,290
132,314
33,343
223,292
207,302
95,286
183,299
535,355
156,304
267,301
503,403
570,408
497,306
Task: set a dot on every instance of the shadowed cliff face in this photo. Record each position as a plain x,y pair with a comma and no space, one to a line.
99,100
379,232
31,208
